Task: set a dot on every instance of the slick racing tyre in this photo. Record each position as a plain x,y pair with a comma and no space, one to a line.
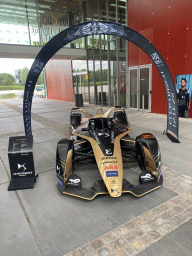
140,157
148,154
64,160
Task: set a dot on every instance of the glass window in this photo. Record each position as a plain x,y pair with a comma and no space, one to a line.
31,22
133,88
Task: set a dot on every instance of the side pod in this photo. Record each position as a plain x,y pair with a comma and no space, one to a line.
64,155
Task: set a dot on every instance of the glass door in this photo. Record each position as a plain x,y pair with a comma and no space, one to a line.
133,88
144,88
140,87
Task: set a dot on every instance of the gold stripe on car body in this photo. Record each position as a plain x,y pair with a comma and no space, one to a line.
89,199
115,190
68,166
109,112
104,193
83,111
78,143
125,139
148,191
150,163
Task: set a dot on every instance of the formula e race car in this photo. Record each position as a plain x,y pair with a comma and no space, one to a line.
101,150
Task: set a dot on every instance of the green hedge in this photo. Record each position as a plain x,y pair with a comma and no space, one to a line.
12,87
7,96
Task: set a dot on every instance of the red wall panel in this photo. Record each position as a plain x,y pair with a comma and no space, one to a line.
160,41
168,25
59,80
188,59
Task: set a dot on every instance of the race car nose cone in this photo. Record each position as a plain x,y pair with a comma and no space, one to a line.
115,192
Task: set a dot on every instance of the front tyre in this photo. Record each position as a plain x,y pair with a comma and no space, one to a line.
148,154
64,160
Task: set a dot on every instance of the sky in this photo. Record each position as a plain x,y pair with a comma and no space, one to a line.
9,65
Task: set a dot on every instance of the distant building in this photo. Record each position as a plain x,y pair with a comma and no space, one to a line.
18,76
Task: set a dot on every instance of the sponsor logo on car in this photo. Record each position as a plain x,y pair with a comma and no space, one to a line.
114,182
58,169
148,176
147,136
108,151
105,134
73,181
112,173
108,157
110,162
111,167
115,190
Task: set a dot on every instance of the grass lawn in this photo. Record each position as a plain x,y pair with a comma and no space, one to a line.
7,96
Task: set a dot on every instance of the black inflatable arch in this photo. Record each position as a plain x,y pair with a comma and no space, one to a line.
96,28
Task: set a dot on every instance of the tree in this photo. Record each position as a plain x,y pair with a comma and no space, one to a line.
6,79
40,79
24,74
105,74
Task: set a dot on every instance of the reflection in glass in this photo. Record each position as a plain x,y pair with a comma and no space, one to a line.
144,87
28,22
133,88
80,79
122,82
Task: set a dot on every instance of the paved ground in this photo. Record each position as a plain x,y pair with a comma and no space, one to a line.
42,221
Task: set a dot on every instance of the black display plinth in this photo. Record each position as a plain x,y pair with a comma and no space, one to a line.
20,154
78,100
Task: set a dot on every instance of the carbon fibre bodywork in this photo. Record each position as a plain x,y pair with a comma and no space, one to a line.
103,141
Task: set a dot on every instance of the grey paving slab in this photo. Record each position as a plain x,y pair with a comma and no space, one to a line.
45,135
4,159
3,130
50,109
16,237
15,124
148,121
4,142
44,155
3,174
9,114
175,244
63,223
62,119
5,109
55,114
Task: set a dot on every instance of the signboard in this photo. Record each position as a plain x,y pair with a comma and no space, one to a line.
97,28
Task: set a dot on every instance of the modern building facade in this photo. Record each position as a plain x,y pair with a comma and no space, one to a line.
18,76
106,70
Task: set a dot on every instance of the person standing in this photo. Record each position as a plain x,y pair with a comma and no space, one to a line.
183,98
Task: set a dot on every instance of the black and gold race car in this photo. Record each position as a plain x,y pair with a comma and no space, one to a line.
101,148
